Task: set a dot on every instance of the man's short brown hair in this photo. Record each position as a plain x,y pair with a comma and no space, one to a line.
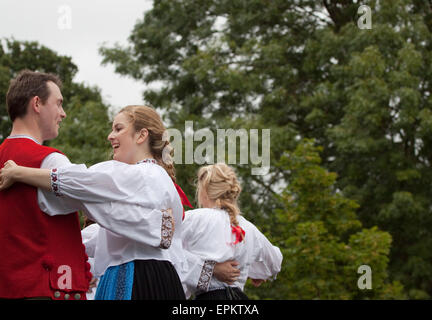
26,85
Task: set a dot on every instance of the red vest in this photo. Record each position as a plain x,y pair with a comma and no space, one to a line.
40,255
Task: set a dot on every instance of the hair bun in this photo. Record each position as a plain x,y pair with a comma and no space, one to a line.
236,189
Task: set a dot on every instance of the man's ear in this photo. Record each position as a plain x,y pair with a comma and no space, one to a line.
143,135
35,104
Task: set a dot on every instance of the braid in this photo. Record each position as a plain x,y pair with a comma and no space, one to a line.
221,184
164,159
232,210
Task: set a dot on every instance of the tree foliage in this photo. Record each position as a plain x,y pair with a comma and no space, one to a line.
305,70
321,238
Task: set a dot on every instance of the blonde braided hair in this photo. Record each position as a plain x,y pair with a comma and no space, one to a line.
220,183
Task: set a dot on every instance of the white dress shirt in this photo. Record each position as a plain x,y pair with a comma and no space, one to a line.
207,234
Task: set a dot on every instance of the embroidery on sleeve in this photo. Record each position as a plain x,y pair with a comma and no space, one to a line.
55,186
206,275
167,229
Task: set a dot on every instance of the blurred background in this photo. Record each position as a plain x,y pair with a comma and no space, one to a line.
344,86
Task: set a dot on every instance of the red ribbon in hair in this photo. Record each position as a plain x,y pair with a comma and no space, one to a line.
239,234
183,198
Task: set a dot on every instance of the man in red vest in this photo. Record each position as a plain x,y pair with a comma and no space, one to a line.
41,255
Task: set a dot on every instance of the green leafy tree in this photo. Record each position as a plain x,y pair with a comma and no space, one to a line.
379,81
304,69
321,239
223,64
83,134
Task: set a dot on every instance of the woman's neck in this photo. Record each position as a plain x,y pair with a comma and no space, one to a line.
139,156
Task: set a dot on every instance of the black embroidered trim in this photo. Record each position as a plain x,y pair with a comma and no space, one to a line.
206,275
147,161
167,230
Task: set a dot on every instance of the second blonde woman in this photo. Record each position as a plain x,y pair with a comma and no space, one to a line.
217,232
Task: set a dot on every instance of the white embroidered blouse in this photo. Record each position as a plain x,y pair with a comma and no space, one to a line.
207,234
126,201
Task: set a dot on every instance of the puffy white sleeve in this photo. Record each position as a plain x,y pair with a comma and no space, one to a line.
189,270
266,258
48,202
105,181
119,198
89,237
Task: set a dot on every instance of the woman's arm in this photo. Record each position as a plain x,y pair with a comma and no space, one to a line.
151,226
76,182
11,173
267,258
104,182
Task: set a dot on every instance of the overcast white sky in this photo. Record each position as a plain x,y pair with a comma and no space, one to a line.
77,28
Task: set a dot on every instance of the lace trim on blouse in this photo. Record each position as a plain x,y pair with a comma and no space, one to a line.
167,230
206,275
